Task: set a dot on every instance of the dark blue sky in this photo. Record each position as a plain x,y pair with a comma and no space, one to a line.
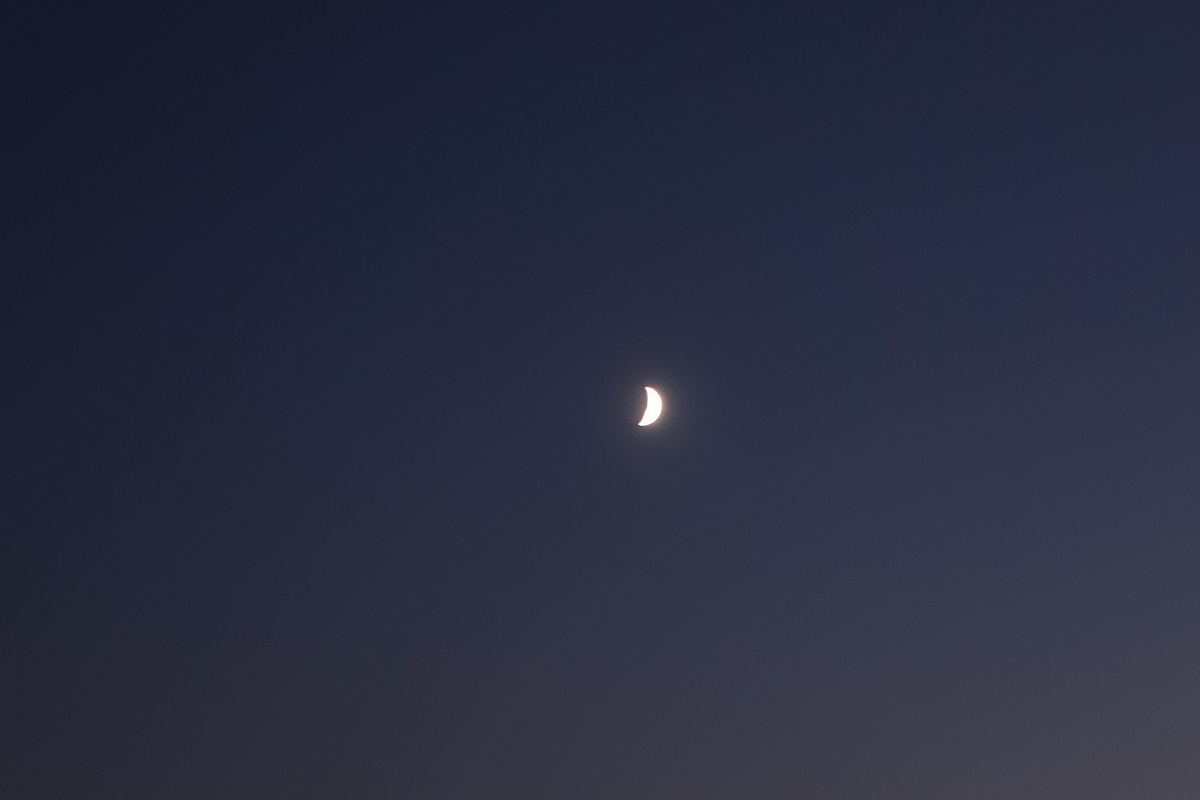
324,334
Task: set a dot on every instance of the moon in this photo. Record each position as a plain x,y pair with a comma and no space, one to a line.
653,407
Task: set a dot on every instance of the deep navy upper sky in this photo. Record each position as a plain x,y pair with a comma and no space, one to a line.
324,335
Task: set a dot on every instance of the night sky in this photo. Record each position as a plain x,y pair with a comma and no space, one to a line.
323,335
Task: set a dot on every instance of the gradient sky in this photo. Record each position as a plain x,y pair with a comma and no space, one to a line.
324,335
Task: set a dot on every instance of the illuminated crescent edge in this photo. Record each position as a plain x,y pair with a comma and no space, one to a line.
654,407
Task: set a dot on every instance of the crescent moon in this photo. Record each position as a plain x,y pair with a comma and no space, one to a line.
653,407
